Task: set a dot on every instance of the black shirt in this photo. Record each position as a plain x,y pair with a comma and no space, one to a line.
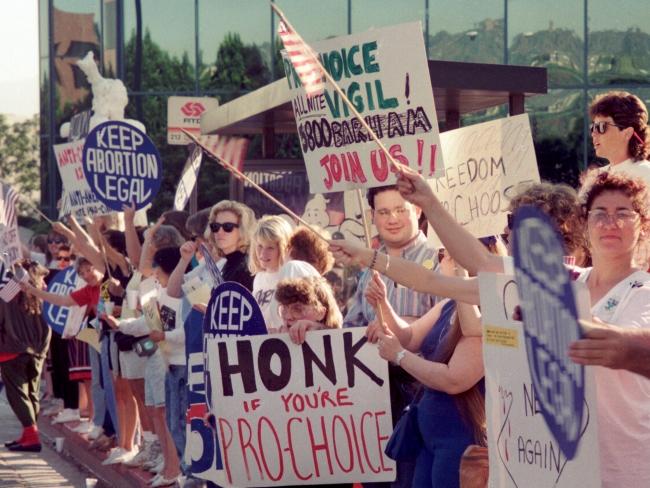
236,269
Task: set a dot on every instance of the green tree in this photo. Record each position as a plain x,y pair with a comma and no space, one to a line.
19,158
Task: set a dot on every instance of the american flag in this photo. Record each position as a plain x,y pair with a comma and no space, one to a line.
8,198
211,266
232,150
303,59
9,286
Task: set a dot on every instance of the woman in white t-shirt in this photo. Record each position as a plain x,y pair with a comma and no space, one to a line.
268,252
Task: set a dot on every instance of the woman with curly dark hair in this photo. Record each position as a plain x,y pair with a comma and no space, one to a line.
24,341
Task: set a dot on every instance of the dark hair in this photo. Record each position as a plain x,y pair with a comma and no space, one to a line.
116,240
167,258
306,246
178,219
29,303
633,188
196,223
373,192
39,241
626,110
558,201
81,261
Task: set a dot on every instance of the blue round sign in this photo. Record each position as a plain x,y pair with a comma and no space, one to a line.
550,320
121,165
232,311
63,283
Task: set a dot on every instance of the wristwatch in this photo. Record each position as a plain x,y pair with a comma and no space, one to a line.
400,355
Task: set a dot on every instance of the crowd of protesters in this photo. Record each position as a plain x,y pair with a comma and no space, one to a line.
132,405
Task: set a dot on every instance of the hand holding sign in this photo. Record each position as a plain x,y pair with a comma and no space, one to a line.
413,187
550,319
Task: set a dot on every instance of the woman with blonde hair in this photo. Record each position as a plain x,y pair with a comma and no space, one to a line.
307,304
230,227
269,244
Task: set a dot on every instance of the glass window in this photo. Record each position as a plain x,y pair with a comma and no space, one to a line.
168,53
76,32
557,123
619,41
368,14
548,34
234,46
471,31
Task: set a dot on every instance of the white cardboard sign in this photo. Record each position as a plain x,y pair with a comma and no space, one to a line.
298,415
521,448
384,72
484,164
77,199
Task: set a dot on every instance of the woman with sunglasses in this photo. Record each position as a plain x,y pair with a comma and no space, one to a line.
619,131
229,231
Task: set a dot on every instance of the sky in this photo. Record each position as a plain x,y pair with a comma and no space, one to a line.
19,57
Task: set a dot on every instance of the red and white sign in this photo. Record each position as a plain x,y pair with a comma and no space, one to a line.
185,113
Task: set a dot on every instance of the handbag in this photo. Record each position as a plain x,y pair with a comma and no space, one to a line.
125,342
406,441
145,347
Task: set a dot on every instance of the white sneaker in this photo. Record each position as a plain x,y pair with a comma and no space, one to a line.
154,461
84,427
53,409
95,432
162,481
113,455
126,456
67,415
154,479
146,453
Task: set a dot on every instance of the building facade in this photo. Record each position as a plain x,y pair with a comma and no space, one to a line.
224,48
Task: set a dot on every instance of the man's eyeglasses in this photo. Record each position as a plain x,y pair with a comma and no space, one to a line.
55,240
601,127
226,226
621,217
67,259
399,212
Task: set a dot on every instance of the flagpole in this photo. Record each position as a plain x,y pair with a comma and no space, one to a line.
30,204
338,89
346,100
238,174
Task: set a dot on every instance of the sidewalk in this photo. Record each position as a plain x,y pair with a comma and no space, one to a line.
45,469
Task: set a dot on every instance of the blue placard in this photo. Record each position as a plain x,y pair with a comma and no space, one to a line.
121,165
232,310
63,283
550,320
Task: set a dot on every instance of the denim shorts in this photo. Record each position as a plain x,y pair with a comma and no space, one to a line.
154,380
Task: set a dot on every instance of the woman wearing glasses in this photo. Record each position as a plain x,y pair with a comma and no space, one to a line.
619,131
230,227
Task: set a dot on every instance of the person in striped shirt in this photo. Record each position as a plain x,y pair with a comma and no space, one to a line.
396,221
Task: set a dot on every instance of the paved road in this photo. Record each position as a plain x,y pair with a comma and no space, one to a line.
46,469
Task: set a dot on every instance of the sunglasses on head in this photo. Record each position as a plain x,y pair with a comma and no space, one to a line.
226,226
601,127
55,240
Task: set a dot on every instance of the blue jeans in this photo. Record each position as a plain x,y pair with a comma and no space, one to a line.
99,404
107,380
176,405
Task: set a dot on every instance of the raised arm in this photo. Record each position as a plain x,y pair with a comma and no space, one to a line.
133,247
462,246
408,273
175,281
82,242
53,298
149,249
